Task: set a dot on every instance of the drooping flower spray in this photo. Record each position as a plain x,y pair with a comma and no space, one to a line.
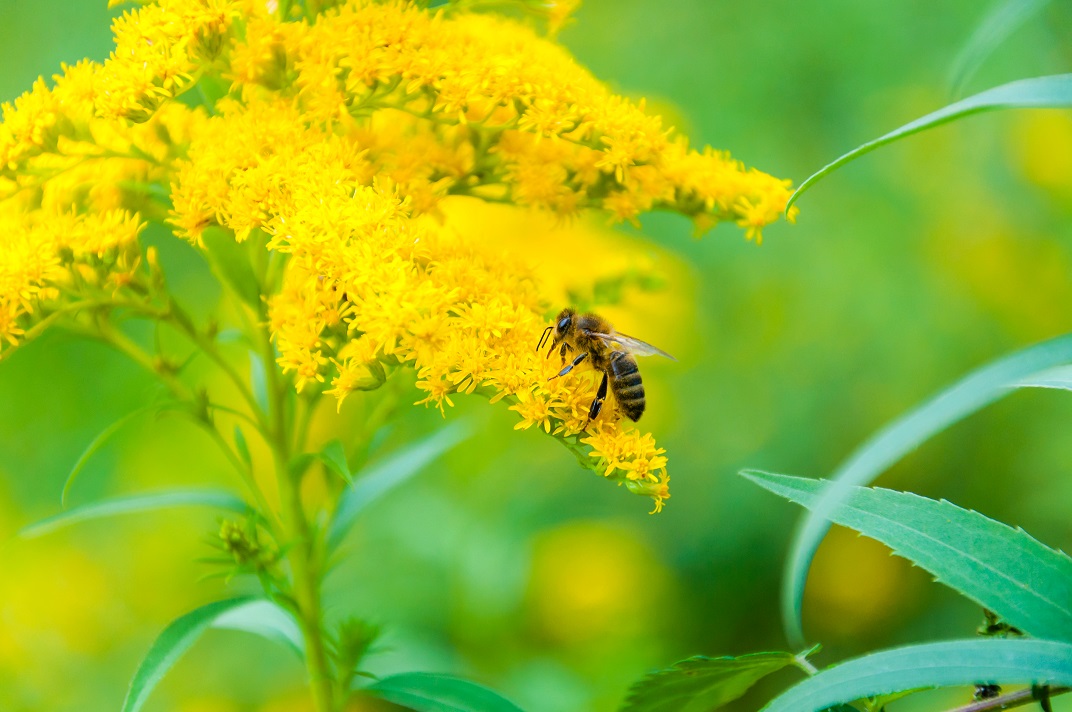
308,156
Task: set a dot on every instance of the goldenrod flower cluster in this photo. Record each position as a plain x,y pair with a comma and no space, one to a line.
332,142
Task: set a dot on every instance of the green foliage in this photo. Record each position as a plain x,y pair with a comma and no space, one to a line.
1052,92
699,684
380,478
242,447
134,504
354,641
955,662
96,444
333,455
258,380
428,692
1020,579
1060,378
976,390
230,261
266,619
250,614
1004,18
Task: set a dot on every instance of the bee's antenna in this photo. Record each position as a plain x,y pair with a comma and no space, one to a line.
544,337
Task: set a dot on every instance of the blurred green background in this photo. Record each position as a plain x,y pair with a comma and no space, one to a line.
507,563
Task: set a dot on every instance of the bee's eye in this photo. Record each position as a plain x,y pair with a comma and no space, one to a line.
563,323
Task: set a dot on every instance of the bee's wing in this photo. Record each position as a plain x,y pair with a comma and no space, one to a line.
634,346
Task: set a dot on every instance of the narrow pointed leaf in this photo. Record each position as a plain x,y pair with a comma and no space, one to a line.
956,662
266,619
334,457
429,692
700,684
230,260
979,388
152,501
97,443
1028,584
242,446
248,613
382,477
1004,18
258,380
1049,92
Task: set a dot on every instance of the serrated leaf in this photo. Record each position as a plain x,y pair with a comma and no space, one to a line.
375,481
165,499
248,613
1060,377
699,684
1050,92
956,662
879,702
976,390
333,455
230,261
1004,18
429,692
1028,584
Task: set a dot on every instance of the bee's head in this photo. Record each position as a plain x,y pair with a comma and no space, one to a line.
563,324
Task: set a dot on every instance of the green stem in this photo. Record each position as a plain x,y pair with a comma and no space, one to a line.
121,342
804,664
240,467
1013,699
303,553
182,321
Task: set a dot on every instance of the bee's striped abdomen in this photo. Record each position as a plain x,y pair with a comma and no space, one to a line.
626,384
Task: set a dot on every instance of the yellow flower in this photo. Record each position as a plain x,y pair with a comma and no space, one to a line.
340,146
534,406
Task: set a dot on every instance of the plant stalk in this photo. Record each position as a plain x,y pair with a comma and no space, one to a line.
302,554
1012,699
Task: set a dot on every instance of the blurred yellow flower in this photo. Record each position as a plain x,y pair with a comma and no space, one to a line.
593,583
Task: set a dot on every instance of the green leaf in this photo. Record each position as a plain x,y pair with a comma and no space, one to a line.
242,447
1028,584
979,388
230,260
165,499
98,442
334,457
1060,377
258,380
266,619
699,684
1050,92
1000,21
878,703
379,479
248,613
429,692
955,662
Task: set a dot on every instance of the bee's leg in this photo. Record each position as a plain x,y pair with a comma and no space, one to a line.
569,368
597,404
562,351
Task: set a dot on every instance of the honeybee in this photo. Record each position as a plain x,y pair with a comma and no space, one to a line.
607,350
